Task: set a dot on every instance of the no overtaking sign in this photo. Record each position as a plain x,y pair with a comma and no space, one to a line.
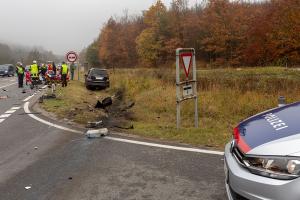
71,56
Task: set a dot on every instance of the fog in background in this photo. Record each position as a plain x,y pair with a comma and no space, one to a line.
61,25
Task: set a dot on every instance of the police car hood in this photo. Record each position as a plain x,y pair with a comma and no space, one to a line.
273,132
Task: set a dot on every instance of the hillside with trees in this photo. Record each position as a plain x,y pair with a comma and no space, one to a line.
10,54
224,33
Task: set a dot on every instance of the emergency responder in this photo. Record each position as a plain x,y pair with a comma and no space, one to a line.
20,72
54,67
72,67
34,70
43,69
64,74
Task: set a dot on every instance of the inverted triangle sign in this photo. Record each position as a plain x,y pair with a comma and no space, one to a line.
186,60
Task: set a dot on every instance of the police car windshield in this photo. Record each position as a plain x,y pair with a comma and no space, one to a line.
97,72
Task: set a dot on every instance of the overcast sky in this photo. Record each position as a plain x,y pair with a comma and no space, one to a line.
61,25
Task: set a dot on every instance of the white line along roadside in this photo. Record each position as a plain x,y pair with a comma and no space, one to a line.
8,85
28,98
26,109
166,146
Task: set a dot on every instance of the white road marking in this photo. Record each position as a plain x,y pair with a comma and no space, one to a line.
166,146
15,108
26,109
8,85
10,111
28,98
4,116
44,87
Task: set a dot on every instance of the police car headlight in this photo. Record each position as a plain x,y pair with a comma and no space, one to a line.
284,168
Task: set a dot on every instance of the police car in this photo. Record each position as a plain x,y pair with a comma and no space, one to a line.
263,159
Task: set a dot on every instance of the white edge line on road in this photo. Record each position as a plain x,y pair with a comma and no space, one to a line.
8,85
28,98
26,109
15,108
166,146
2,120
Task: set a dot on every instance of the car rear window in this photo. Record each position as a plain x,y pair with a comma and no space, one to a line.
99,72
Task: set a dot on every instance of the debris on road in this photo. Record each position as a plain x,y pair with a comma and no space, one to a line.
4,97
124,126
97,133
104,103
130,105
28,187
36,148
94,124
47,96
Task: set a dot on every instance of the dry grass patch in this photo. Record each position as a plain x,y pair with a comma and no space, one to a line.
226,96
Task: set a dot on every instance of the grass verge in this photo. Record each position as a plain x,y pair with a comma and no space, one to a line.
226,96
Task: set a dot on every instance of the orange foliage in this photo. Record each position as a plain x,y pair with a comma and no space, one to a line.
223,32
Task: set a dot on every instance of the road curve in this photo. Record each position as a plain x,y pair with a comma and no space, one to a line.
68,166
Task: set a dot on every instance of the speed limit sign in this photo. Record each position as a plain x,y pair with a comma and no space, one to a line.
71,56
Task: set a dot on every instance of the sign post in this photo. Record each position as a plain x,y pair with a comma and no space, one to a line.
72,57
186,84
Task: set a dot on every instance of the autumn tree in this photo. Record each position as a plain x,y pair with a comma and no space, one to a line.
225,33
151,42
91,55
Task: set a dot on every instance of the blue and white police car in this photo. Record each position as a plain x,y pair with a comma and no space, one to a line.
263,159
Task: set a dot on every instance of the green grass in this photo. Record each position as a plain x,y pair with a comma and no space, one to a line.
226,96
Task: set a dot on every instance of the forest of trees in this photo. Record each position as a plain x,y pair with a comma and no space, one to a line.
224,33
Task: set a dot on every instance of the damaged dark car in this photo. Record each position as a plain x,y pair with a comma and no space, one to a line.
97,79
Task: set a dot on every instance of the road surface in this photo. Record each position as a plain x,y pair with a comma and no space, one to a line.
59,165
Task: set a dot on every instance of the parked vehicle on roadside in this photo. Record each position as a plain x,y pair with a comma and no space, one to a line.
97,78
263,159
7,70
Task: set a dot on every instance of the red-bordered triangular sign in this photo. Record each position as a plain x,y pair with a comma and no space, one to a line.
186,60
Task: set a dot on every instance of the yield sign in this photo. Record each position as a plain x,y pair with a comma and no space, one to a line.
186,60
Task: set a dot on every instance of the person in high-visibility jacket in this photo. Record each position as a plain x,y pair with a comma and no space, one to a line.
34,70
64,74
20,72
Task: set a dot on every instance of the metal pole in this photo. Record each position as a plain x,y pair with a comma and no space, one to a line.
178,115
78,69
195,89
177,89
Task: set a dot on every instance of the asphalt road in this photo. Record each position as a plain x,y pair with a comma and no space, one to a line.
67,166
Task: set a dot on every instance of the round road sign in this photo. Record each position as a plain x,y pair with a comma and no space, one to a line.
71,56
